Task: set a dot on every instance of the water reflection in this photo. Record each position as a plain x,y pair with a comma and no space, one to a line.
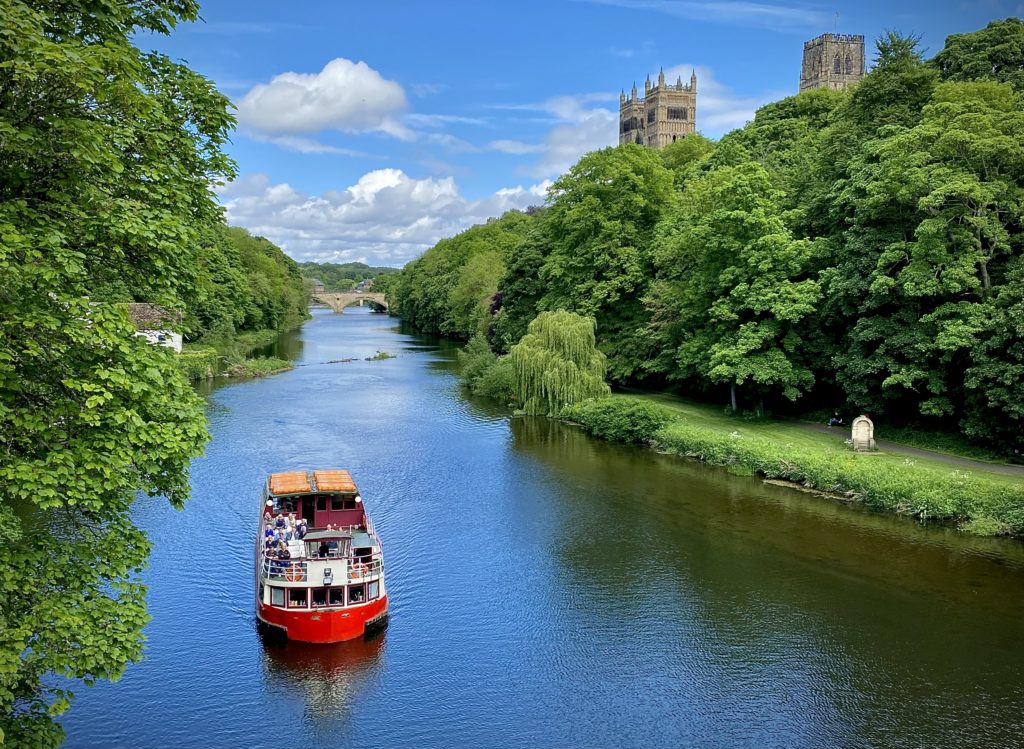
835,626
325,678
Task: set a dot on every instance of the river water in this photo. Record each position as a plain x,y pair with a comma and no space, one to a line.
551,590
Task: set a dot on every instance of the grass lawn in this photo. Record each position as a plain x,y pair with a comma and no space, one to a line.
713,419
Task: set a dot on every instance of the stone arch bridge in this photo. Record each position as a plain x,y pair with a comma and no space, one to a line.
338,302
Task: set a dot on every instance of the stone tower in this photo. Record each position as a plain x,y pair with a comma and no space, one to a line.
663,115
832,61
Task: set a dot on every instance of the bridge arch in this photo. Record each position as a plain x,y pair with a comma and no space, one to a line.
339,301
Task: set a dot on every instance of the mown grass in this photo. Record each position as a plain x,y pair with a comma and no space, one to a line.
980,501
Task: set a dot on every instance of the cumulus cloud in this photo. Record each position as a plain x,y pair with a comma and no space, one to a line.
345,95
719,109
387,216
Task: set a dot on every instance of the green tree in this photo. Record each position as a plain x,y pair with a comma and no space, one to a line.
600,222
993,53
107,155
434,291
733,287
931,294
557,364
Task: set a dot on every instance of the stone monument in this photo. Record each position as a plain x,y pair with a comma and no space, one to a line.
863,436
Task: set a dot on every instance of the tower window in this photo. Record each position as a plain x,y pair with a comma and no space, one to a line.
849,64
837,65
650,116
678,113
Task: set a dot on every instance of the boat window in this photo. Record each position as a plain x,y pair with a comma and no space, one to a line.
276,596
321,503
372,590
297,598
337,596
356,593
319,596
337,503
261,593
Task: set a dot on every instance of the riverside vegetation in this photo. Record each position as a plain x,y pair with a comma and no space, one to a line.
108,158
856,250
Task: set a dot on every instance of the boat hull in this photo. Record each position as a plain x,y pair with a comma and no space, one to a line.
325,626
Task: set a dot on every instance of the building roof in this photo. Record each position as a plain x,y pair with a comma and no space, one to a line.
145,316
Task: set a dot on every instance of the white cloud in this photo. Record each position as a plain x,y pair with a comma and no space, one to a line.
735,12
345,95
437,120
719,109
515,147
387,216
309,145
427,89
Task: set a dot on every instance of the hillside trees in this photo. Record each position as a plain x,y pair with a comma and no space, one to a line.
107,155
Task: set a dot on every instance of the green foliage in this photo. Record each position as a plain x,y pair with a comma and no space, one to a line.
600,223
107,156
260,366
557,363
448,290
344,276
619,419
485,373
198,362
995,52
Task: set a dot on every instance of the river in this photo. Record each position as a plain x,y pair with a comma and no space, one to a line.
552,590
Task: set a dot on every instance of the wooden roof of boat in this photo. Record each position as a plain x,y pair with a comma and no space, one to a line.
289,482
334,481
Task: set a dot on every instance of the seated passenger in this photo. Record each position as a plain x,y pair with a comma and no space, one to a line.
300,529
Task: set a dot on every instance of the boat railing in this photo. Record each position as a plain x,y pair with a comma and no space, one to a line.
297,570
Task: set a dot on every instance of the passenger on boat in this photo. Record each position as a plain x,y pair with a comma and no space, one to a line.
301,529
324,549
279,521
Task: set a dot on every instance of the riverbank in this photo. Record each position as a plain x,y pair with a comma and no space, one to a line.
979,500
205,361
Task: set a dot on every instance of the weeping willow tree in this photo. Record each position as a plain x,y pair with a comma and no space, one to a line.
557,363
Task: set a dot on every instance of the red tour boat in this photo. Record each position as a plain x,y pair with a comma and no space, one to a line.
319,564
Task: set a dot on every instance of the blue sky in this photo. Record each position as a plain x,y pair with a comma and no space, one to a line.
368,131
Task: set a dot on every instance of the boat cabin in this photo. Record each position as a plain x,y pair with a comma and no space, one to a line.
325,498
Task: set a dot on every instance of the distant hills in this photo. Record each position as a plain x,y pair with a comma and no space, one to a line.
342,276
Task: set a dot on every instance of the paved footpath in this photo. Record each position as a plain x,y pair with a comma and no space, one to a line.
897,448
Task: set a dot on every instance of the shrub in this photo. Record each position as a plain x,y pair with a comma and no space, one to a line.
619,419
198,363
497,381
258,367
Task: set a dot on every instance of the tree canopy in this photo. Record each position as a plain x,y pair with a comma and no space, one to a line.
107,157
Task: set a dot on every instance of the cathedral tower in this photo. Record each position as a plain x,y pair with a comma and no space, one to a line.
667,112
832,61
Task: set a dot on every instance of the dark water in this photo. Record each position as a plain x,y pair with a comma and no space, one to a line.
549,590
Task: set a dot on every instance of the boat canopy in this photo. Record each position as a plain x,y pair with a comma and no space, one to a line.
291,482
334,481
